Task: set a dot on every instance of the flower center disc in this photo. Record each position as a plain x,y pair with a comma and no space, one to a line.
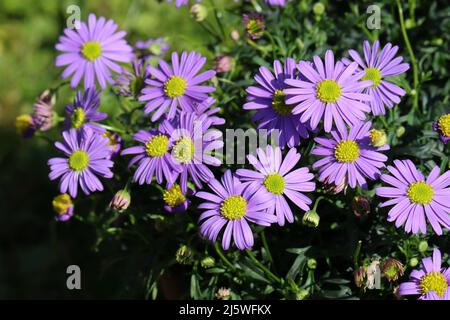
79,160
62,203
328,91
374,75
434,281
274,183
78,118
444,125
157,146
175,87
91,50
183,150
173,197
346,151
279,104
420,192
233,207
377,138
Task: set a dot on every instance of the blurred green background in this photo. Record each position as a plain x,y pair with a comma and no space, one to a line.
34,250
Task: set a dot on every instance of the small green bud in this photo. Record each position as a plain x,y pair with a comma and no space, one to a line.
318,8
208,262
311,219
423,246
184,255
198,12
312,263
413,262
400,131
409,23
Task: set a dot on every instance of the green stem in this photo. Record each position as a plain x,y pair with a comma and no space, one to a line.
222,256
110,128
411,55
266,246
216,16
263,267
356,254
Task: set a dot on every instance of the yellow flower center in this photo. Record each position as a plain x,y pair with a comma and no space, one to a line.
377,138
112,138
434,281
346,151
374,75
279,104
91,50
157,146
23,123
420,192
173,197
444,125
62,203
183,150
78,118
274,183
78,160
175,87
328,91
233,207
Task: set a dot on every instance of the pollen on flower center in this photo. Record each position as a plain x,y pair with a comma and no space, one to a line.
78,118
233,207
175,86
420,192
346,151
157,146
377,138
279,104
274,183
183,150
91,50
62,203
444,125
434,281
173,197
328,91
374,75
78,160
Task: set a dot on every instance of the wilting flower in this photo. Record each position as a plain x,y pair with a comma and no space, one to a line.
131,83
25,125
378,67
92,51
43,111
280,3
233,204
176,86
349,157
372,275
360,206
331,91
175,201
254,25
272,112
87,156
153,158
223,63
392,269
359,276
84,110
192,142
151,47
121,201
115,141
431,283
442,127
63,206
223,293
275,180
415,197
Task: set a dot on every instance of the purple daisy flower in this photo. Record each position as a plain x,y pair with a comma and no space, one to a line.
84,110
177,86
378,68
87,157
63,206
192,142
442,127
280,3
415,197
153,158
431,283
275,180
92,51
130,84
176,201
233,204
349,157
331,92
272,112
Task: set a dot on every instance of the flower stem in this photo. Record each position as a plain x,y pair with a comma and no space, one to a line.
222,256
263,267
266,246
356,254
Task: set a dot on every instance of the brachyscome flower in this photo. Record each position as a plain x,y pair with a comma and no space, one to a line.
175,201
63,206
87,156
121,201
92,51
442,127
275,179
329,91
430,283
254,25
25,125
415,197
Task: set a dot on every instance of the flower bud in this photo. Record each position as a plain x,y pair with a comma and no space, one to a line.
392,269
184,255
400,131
301,294
311,263
378,138
254,25
318,8
413,262
360,206
63,206
25,125
311,219
208,262
223,293
423,246
223,63
234,35
198,12
121,201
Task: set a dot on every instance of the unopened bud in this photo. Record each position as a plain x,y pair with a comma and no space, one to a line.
121,201
208,262
423,246
360,206
184,255
311,219
199,12
318,8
